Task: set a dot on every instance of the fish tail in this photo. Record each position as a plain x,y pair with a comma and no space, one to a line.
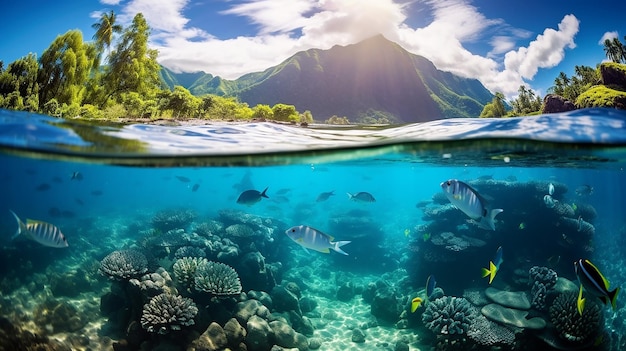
580,302
339,244
492,217
613,297
350,196
485,272
263,193
20,225
491,272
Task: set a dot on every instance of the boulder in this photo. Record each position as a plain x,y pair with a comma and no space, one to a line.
285,336
385,305
511,316
246,309
358,336
259,333
285,300
513,299
613,74
213,339
235,333
553,103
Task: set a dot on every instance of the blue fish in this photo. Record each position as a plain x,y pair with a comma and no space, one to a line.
44,233
431,283
468,200
594,283
251,197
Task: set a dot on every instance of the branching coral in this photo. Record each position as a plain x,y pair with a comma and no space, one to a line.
189,251
124,264
217,278
185,271
542,280
167,312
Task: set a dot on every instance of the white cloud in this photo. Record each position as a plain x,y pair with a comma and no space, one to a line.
608,35
110,2
285,27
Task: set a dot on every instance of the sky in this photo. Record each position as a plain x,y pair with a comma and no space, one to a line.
504,44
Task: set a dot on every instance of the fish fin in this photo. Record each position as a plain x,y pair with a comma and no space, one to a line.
339,244
263,193
492,271
326,250
613,297
487,222
580,302
20,225
485,272
350,196
415,304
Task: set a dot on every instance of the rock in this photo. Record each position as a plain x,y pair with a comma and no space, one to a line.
285,336
213,339
315,343
301,324
246,309
235,333
385,305
553,103
563,285
401,346
510,316
307,304
613,74
285,300
259,333
358,336
514,299
345,292
262,296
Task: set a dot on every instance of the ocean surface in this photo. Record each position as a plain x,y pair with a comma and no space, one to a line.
144,208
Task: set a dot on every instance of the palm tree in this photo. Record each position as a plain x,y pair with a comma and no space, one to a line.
611,50
104,31
620,49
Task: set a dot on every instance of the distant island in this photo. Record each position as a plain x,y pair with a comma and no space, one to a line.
374,81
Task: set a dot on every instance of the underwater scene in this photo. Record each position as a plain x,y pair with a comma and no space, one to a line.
460,234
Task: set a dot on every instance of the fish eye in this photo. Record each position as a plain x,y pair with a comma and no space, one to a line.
448,183
293,230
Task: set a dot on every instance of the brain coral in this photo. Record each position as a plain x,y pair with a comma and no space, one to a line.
217,278
569,324
449,315
124,264
167,312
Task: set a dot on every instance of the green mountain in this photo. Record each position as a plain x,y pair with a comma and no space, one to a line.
373,78
170,79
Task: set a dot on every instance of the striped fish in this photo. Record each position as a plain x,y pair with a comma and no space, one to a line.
44,233
311,238
468,200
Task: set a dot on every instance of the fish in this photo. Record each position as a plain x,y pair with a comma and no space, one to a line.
44,233
251,197
43,187
311,238
426,237
550,189
584,190
431,283
324,196
416,303
521,226
195,187
407,232
361,196
549,201
76,176
183,179
494,266
468,200
594,283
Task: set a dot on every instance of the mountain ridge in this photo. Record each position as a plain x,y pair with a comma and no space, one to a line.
370,79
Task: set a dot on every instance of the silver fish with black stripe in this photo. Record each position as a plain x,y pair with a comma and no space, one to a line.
44,233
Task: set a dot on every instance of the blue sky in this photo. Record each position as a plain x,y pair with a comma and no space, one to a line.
501,43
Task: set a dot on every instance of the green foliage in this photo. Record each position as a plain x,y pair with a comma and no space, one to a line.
306,117
261,111
70,110
115,112
570,88
228,108
90,112
132,66
337,120
52,108
180,102
285,113
526,102
495,108
65,68
602,96
615,50
105,29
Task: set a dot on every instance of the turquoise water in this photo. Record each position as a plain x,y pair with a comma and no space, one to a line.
155,189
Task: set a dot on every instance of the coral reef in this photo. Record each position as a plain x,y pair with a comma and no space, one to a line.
185,271
156,283
189,251
166,312
449,315
169,219
488,333
124,264
217,278
542,280
512,317
569,324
